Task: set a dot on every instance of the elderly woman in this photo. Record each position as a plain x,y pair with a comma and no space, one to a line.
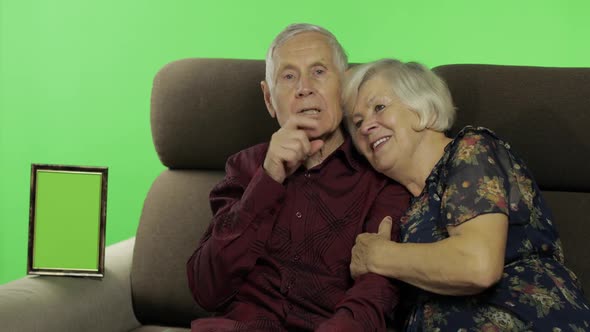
478,247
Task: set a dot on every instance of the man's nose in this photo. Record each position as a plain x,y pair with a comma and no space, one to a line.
304,88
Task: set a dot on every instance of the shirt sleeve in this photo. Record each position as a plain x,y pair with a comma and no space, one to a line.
342,321
484,177
373,297
244,206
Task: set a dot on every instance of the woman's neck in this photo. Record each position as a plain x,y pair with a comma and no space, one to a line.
419,165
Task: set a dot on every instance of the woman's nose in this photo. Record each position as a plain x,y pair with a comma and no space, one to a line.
368,127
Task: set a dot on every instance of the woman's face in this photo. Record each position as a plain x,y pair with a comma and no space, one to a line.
382,126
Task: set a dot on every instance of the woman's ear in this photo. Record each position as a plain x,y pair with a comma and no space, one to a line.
418,124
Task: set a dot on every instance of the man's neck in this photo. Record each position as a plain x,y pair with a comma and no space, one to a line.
331,143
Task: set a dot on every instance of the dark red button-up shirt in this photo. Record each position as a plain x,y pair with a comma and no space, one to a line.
278,255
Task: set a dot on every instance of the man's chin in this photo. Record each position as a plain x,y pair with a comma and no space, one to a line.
314,134
325,135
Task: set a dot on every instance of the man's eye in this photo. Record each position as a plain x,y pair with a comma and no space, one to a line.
379,107
319,71
289,76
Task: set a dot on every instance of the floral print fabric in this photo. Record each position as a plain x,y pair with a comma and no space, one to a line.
480,174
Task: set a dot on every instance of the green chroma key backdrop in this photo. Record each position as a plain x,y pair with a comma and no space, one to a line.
75,76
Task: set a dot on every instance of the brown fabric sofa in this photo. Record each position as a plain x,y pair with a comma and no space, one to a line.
203,110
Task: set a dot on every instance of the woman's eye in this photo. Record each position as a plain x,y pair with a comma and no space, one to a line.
358,124
379,107
319,71
289,76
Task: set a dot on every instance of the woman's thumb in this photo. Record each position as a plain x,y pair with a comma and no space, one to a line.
385,227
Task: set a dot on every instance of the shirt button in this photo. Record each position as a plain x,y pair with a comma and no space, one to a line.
307,175
296,258
298,214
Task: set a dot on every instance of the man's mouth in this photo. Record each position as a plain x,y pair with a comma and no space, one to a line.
309,111
380,141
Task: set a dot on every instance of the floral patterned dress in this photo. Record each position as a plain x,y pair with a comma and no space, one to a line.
479,174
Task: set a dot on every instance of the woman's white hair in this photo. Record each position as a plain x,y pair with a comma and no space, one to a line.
340,58
418,87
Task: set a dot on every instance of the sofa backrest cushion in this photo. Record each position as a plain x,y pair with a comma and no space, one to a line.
544,112
175,214
203,110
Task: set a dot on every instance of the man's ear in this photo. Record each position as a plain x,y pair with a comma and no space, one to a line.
268,99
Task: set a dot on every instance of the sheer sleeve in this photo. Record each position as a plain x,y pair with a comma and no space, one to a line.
482,176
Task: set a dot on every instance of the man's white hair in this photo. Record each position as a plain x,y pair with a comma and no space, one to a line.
340,59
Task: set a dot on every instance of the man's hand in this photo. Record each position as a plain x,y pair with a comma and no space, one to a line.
290,147
365,248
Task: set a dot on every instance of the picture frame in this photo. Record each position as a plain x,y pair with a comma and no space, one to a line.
67,220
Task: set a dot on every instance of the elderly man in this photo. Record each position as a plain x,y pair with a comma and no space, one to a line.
276,256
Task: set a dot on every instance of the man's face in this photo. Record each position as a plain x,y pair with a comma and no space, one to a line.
307,82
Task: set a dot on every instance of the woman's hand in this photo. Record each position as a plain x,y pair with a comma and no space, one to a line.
365,250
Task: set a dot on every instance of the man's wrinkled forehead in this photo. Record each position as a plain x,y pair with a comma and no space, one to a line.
311,48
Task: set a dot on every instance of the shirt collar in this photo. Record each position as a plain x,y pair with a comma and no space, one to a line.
351,156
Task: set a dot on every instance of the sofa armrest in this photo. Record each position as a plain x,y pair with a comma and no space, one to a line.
48,303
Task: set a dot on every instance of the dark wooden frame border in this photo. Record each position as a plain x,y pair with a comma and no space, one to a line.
103,215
